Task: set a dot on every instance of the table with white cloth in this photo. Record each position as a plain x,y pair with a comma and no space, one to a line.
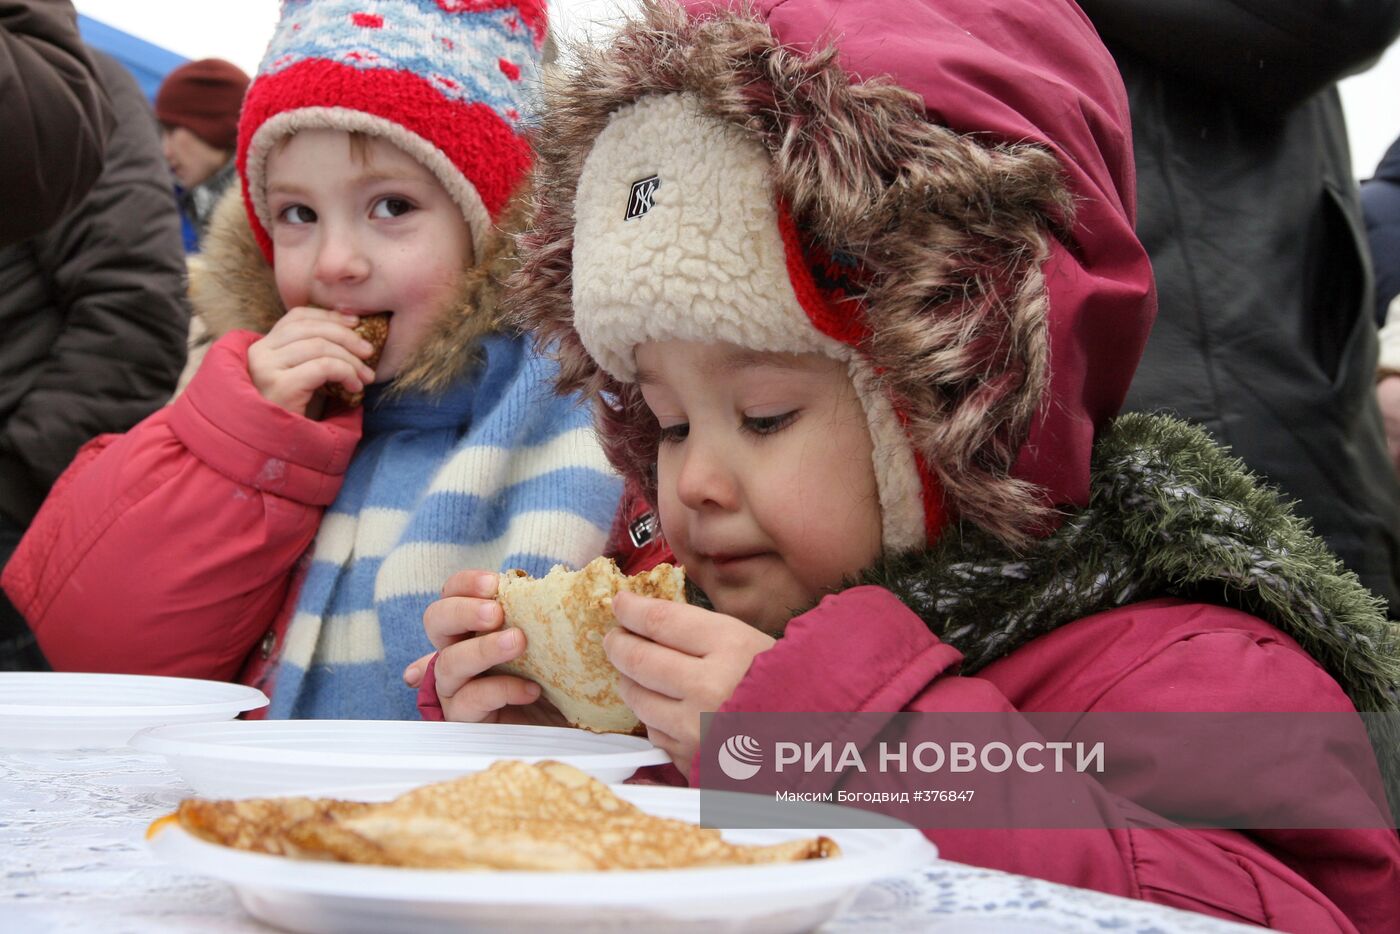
72,829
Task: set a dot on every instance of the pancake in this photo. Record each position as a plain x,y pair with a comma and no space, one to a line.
375,329
564,616
262,825
513,816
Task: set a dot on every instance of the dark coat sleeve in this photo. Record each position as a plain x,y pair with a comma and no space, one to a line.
54,116
115,271
1270,54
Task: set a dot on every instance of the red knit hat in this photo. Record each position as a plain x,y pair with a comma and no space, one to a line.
446,82
204,98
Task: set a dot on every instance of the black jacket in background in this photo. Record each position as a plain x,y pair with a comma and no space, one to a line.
92,311
1380,203
1265,333
54,116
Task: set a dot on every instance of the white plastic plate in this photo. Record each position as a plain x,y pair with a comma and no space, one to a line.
338,897
265,757
70,710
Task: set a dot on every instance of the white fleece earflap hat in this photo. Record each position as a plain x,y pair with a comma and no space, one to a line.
679,235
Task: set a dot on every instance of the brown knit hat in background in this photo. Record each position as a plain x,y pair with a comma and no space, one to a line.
204,97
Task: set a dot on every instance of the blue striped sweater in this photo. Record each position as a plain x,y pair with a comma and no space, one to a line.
498,472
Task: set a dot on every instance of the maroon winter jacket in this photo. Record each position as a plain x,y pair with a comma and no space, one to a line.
863,650
1028,70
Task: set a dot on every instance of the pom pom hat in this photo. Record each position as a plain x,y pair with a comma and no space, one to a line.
447,81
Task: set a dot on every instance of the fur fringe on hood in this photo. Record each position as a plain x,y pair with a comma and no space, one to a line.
232,286
951,233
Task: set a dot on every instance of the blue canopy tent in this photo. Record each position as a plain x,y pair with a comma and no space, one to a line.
149,63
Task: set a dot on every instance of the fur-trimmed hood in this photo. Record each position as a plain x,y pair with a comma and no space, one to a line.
975,157
232,287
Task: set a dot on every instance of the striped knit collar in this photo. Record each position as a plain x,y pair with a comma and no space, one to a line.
390,408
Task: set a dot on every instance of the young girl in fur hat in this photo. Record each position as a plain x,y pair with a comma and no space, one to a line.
858,318
252,530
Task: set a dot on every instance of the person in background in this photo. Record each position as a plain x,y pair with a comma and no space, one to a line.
1388,381
197,106
1265,332
1380,205
1380,202
54,114
95,319
254,528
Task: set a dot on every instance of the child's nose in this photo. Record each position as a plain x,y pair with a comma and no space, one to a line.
341,257
705,480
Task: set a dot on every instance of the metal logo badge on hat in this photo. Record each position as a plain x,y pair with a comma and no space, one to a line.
639,199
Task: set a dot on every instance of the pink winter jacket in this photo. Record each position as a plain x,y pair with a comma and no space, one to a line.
255,497
863,650
214,601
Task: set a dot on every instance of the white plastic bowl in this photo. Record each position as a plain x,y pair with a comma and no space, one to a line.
71,710
264,757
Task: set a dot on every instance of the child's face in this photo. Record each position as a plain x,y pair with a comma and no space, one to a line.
766,485
365,231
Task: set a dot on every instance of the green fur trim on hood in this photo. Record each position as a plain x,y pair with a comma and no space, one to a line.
1170,514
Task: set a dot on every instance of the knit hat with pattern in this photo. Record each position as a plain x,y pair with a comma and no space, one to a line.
447,81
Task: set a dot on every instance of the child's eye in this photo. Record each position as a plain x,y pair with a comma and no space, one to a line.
670,434
389,207
296,214
769,424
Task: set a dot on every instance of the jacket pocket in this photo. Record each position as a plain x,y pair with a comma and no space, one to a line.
1342,332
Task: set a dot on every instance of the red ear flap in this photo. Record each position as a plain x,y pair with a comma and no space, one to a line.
828,287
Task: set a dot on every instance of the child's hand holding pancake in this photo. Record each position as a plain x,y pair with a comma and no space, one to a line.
677,662
306,349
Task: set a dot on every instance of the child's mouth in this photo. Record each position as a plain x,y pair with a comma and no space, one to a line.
733,560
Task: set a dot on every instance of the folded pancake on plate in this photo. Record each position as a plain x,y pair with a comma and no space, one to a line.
262,825
513,816
564,616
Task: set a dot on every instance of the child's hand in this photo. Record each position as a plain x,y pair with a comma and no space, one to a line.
463,626
306,349
678,661
413,674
